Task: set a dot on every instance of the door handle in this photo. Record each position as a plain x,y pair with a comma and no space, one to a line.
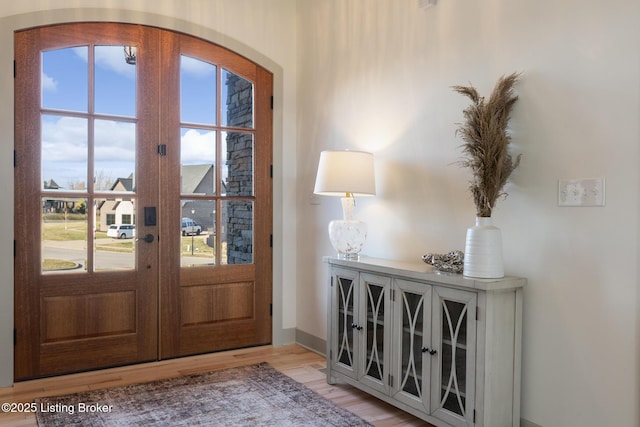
147,238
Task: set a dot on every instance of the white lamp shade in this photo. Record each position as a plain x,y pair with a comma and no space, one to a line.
345,171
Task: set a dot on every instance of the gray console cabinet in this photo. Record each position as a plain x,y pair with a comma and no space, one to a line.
443,347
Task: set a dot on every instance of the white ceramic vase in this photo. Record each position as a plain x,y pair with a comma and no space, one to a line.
483,250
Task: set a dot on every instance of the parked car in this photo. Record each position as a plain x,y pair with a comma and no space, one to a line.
122,231
190,227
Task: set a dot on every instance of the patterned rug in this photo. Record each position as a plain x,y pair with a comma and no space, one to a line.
255,395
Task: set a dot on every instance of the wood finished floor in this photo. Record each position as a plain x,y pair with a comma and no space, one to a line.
298,363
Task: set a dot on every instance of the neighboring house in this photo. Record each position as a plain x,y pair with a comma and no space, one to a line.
195,179
198,179
56,205
51,185
51,205
119,210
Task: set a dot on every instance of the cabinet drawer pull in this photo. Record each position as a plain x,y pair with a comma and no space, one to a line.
431,351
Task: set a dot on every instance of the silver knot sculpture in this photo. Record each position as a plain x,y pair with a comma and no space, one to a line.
452,262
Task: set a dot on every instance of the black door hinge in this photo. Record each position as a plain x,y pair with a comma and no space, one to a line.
474,416
271,310
271,171
162,149
270,240
271,102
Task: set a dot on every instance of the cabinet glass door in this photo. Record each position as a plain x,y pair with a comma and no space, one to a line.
454,327
376,301
412,341
345,328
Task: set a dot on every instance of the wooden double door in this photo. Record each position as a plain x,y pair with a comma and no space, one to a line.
143,204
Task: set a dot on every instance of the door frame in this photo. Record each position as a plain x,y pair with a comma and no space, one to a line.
83,320
283,237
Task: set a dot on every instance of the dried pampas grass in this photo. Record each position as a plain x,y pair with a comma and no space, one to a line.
486,141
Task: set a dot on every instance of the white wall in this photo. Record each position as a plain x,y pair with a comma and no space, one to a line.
376,75
262,30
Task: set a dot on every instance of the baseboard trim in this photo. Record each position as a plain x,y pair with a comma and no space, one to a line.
283,337
527,423
311,342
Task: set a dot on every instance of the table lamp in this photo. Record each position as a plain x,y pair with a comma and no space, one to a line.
348,174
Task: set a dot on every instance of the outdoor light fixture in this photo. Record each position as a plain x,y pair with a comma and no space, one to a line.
130,55
348,174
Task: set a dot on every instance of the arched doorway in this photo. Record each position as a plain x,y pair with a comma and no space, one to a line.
140,130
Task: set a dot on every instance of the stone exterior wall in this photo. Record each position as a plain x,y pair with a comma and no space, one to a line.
239,213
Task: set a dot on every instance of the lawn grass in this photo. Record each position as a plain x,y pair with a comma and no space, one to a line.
77,231
57,264
116,246
200,247
67,230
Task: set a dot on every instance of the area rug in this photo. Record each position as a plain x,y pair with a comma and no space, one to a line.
256,395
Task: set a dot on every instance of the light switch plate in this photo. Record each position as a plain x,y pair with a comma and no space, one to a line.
581,192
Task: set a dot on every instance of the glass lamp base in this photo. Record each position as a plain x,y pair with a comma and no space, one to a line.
347,237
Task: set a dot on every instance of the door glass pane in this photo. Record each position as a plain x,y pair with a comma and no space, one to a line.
115,235
237,99
197,91
345,321
454,356
197,161
198,225
64,153
115,156
375,331
236,232
412,331
237,173
455,311
115,82
65,79
64,234
216,163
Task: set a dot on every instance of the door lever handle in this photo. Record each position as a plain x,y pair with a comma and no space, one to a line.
147,238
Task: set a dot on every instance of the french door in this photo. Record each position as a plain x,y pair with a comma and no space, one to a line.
142,198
